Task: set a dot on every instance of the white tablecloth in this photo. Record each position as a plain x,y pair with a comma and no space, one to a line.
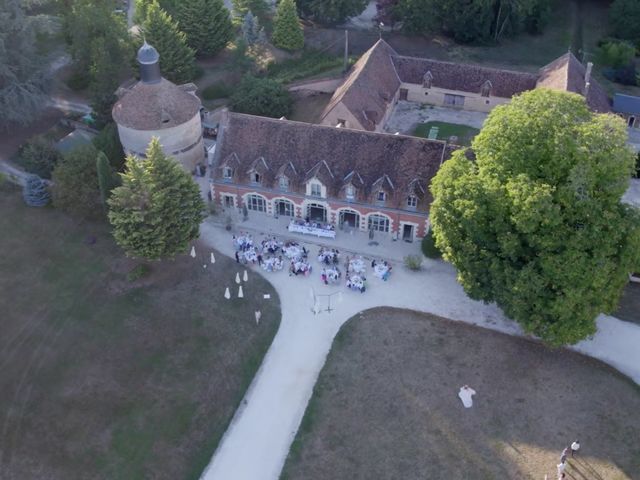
357,265
318,232
292,251
380,270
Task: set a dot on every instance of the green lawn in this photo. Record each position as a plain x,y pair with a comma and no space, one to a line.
386,406
105,378
446,130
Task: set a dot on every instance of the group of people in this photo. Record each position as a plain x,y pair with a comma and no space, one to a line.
330,275
270,252
381,269
328,256
570,450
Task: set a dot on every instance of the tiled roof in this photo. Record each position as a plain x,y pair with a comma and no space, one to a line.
626,104
369,87
463,77
156,106
306,146
568,74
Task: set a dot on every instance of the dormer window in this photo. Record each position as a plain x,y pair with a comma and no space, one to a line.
427,80
227,173
316,190
412,201
283,183
486,89
350,192
256,178
381,196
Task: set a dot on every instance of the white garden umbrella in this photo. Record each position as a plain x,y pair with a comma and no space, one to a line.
245,277
258,314
238,277
213,259
193,252
227,293
240,294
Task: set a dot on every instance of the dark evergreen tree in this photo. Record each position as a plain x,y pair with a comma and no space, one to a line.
24,72
108,142
331,12
107,178
35,192
177,59
624,18
157,211
207,24
250,29
287,31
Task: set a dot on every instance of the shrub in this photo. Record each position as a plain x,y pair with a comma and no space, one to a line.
616,54
78,81
429,246
75,179
39,157
139,271
261,96
35,192
413,262
215,91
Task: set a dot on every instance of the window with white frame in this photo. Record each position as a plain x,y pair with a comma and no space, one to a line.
350,192
378,223
257,203
283,183
227,173
256,177
316,190
381,196
412,201
453,100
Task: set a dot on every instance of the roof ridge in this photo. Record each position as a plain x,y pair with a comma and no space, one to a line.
447,62
344,129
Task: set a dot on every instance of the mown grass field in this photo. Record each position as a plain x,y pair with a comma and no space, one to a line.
386,406
103,377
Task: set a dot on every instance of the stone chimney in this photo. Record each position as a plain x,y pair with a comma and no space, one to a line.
587,79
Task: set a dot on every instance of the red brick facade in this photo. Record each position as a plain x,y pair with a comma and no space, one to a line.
405,223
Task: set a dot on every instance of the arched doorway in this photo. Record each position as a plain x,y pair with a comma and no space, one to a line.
349,218
284,208
317,212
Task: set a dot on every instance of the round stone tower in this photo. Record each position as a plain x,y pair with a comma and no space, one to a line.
155,107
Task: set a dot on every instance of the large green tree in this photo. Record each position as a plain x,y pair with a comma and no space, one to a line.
24,71
258,7
101,49
157,211
535,222
624,18
331,11
39,156
75,183
261,96
207,24
472,20
177,59
287,31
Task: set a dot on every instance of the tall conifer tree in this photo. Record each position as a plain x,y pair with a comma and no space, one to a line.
177,59
207,24
287,31
157,211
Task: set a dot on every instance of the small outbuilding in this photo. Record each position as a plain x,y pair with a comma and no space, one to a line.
628,107
156,107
